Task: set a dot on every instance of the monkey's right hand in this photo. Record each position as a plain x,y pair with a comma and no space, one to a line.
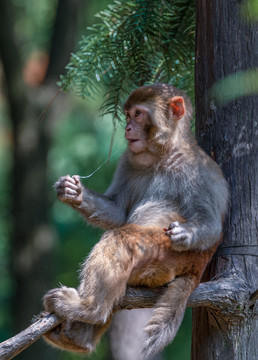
70,190
180,235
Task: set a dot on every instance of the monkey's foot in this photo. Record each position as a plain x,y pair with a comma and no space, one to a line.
72,336
67,303
62,301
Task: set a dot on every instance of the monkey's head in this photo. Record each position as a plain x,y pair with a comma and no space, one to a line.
157,116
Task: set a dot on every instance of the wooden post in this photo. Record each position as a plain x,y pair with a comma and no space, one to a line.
226,44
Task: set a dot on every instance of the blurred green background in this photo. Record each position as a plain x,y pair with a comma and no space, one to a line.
76,141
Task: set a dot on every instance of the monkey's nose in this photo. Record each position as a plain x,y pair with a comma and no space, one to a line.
128,127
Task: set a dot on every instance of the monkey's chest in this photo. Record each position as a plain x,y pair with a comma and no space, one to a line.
151,274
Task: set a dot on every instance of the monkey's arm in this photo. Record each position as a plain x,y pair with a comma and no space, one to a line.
204,214
100,210
196,234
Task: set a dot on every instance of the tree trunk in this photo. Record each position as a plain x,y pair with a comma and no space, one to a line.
226,44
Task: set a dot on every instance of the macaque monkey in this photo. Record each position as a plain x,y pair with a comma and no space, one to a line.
163,219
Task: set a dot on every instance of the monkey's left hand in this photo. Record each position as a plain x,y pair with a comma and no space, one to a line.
181,236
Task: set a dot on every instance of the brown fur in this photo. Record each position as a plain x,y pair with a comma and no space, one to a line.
148,259
164,180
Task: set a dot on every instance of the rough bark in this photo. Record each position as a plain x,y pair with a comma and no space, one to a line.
13,346
226,44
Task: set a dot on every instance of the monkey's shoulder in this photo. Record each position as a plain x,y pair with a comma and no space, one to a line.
210,171
197,175
193,161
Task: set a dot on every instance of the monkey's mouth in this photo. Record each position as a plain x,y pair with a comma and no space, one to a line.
132,140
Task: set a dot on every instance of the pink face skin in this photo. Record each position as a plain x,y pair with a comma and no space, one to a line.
137,119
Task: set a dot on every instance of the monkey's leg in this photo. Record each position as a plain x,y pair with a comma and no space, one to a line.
168,314
103,280
76,336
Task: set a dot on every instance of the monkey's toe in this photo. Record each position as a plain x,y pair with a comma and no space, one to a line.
59,300
68,337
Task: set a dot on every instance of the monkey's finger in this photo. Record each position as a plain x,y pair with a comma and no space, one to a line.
70,179
177,230
69,185
178,237
66,184
66,192
63,180
69,191
173,224
66,178
50,293
77,178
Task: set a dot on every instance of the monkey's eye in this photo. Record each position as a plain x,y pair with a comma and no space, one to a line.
137,113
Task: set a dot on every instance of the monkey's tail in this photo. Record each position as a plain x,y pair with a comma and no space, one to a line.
168,314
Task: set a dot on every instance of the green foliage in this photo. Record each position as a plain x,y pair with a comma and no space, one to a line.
33,22
180,348
134,43
241,83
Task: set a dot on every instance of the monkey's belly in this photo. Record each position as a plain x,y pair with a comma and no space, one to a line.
151,274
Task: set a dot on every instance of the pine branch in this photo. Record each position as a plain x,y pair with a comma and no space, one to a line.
133,44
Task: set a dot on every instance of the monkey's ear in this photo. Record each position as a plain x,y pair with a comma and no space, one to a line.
178,107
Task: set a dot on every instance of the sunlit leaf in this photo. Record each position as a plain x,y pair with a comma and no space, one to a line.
240,84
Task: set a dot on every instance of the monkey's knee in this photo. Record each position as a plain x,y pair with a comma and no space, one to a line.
76,336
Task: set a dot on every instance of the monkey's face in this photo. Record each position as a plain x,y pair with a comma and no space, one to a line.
156,116
137,129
